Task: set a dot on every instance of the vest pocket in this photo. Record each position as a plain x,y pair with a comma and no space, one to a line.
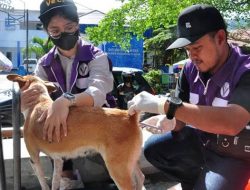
219,102
193,98
233,146
82,83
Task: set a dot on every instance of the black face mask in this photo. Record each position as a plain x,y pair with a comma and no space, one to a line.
66,41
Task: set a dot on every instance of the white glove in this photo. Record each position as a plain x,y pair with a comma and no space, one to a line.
146,102
159,124
165,124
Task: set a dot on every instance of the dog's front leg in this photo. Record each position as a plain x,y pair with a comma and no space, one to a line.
58,165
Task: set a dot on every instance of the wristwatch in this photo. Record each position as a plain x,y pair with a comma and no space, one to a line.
173,104
71,97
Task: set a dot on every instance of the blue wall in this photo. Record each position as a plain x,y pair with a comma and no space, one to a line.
130,58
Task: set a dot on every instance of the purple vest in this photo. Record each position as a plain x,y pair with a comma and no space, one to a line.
52,65
53,68
217,91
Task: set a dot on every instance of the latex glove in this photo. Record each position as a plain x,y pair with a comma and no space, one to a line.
146,102
159,124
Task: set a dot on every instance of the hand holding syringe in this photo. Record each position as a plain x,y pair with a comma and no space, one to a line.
158,124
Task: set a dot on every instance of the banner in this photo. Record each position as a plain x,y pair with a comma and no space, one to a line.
5,5
125,58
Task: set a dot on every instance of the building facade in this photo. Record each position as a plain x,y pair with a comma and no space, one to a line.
15,33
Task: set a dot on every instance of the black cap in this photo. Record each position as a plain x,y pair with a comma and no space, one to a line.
196,21
48,5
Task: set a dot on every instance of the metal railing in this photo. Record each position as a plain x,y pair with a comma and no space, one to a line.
5,108
2,167
16,123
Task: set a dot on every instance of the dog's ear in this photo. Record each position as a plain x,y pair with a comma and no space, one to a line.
17,78
50,86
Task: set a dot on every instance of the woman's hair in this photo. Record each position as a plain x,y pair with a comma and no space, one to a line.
69,13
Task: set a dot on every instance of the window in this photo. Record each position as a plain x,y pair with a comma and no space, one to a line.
39,26
10,23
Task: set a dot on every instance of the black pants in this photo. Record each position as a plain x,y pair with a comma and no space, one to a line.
67,165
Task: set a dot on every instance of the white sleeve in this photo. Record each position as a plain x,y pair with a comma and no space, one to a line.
100,79
40,72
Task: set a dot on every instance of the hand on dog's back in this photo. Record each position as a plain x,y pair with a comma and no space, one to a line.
56,120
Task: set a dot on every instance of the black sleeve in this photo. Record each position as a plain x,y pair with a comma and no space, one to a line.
241,94
182,87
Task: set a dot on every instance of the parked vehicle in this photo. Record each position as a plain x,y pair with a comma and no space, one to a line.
30,63
6,108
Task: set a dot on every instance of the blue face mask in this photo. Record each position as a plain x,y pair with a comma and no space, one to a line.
66,41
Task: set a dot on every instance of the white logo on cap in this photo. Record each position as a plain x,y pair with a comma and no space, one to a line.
188,25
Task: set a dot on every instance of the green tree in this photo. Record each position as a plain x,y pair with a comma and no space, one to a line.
153,77
157,44
39,47
134,17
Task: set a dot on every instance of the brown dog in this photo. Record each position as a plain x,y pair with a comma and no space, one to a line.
111,132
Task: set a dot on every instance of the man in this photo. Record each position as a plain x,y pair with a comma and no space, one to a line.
126,90
209,148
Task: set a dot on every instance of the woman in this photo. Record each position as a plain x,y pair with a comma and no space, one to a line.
81,71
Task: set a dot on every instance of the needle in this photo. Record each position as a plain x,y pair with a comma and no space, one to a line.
151,127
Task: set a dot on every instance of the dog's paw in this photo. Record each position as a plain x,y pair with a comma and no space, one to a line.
66,183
